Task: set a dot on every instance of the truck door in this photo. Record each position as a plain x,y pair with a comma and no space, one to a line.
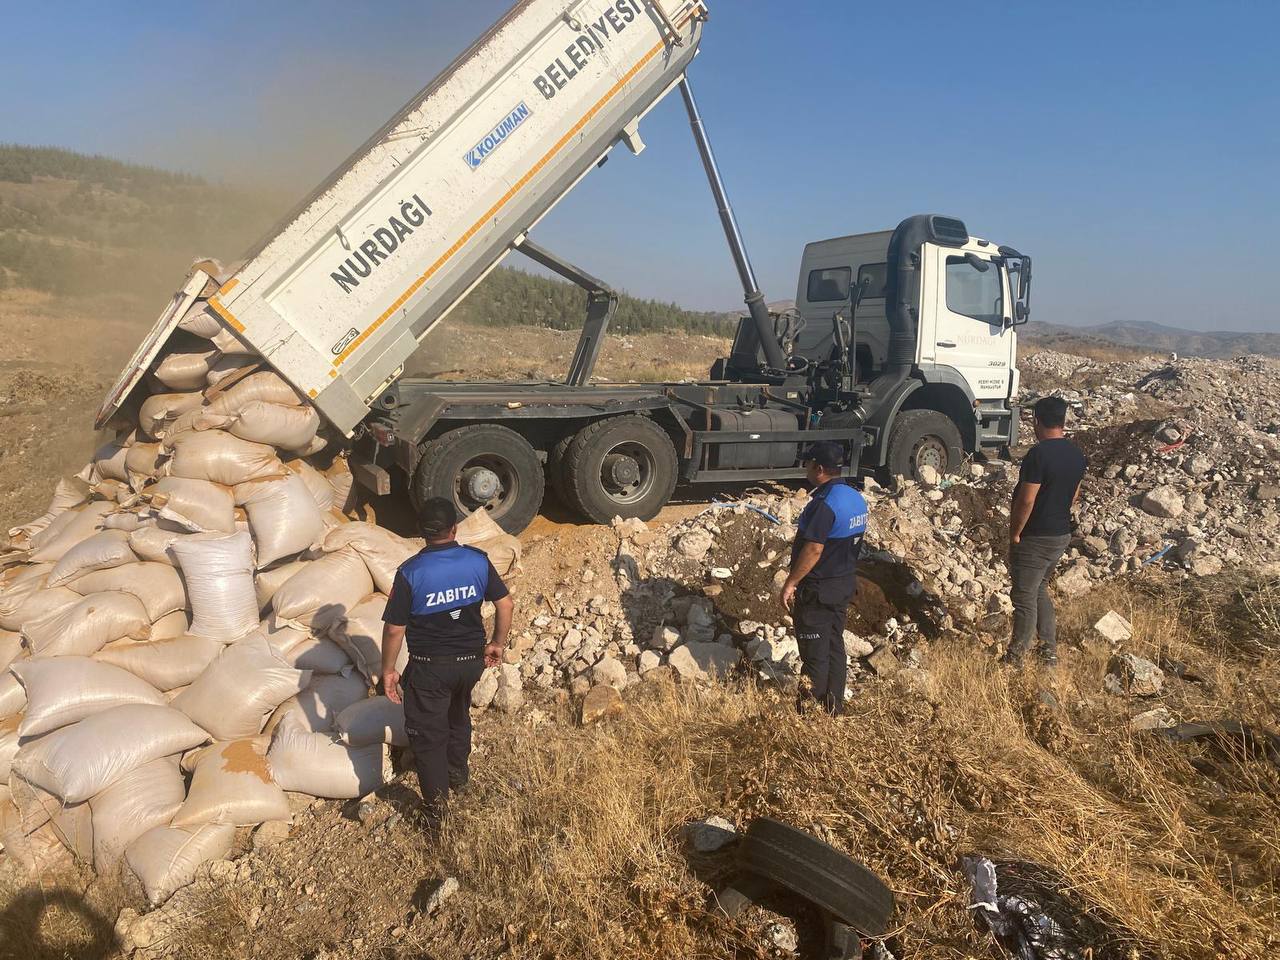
969,331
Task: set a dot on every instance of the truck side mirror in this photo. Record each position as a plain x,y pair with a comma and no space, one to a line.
1020,313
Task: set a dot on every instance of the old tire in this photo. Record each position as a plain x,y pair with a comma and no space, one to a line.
920,438
621,467
818,872
483,466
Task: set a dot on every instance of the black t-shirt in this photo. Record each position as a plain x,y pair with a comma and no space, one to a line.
1058,466
436,597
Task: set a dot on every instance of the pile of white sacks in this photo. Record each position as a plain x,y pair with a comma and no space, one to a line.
194,627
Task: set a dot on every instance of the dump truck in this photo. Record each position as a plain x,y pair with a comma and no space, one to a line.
901,347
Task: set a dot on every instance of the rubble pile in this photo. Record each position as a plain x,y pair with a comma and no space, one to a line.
1194,487
191,633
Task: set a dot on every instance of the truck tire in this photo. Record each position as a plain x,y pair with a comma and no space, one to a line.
555,470
483,466
920,438
818,872
620,467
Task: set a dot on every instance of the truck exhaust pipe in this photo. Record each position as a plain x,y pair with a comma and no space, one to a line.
758,309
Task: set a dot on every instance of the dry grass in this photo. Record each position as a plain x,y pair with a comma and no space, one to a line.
571,844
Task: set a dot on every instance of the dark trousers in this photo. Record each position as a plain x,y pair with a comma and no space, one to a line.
819,614
437,720
1031,564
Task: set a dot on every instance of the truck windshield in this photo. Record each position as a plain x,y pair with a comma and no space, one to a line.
975,293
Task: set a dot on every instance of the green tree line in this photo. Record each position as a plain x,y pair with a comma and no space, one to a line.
81,225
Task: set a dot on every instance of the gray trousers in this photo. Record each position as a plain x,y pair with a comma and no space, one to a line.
1031,565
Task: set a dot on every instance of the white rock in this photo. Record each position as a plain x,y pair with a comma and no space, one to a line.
711,834
856,647
1114,628
1163,501
440,894
665,638
696,661
649,660
610,672
694,544
1158,719
486,688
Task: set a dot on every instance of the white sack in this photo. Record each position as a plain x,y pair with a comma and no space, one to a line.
228,343
145,460
265,387
72,823
102,551
12,696
124,521
232,784
360,635
286,427
343,483
73,527
317,445
40,855
219,575
64,690
40,602
80,761
227,367
267,582
140,800
160,410
218,457
8,745
376,720
324,591
164,664
10,648
321,491
108,462
152,542
283,516
206,506
171,626
30,574
304,652
85,627
157,585
165,859
481,531
201,321
67,494
185,370
320,765
236,693
327,696
382,551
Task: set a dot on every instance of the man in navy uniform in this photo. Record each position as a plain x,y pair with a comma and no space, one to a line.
824,562
435,606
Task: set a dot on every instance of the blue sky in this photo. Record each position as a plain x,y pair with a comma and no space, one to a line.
1132,147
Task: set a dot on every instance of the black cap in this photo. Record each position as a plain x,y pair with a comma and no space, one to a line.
437,516
826,454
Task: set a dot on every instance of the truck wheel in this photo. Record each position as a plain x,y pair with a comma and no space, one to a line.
555,470
922,438
818,872
483,466
620,467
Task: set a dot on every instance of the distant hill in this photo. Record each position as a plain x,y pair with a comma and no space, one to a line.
1149,337
87,225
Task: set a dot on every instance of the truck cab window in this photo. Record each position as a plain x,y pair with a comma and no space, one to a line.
875,276
972,293
829,285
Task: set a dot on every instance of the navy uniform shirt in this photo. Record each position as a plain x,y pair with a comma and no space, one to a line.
436,597
836,517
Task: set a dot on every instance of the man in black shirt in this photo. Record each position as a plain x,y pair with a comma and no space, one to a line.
435,605
1040,528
